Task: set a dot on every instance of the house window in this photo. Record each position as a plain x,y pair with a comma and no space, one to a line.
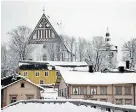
75,90
93,90
128,101
25,73
37,73
103,90
83,90
65,92
41,82
46,74
62,92
57,73
128,90
118,90
30,97
22,85
119,101
59,93
13,98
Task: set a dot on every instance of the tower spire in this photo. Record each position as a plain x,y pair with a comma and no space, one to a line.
107,33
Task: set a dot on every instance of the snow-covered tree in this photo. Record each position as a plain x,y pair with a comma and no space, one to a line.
19,42
95,54
81,49
70,43
129,52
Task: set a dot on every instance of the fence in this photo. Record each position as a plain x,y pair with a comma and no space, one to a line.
94,104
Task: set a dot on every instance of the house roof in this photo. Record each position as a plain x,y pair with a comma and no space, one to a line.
21,78
67,63
74,77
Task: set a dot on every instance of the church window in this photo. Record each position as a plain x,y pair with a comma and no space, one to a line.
44,46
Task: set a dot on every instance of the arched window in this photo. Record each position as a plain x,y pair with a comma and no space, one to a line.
44,57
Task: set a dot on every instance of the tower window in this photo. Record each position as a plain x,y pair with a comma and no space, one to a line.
22,85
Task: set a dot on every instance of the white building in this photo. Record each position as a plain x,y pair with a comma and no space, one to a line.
111,52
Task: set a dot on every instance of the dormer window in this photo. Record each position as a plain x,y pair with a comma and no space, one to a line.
22,85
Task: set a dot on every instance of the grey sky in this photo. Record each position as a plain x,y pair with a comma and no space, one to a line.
79,18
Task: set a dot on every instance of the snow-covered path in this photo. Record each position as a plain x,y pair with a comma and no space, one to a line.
36,107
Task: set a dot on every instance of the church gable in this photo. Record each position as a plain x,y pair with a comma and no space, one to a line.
44,32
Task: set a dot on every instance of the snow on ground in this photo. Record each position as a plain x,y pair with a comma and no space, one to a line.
36,107
49,93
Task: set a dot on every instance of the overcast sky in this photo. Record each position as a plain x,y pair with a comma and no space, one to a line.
79,18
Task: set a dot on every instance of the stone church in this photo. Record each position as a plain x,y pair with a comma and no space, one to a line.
48,44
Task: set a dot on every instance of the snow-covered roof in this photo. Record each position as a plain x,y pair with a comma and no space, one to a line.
27,62
61,63
22,78
83,69
121,63
74,77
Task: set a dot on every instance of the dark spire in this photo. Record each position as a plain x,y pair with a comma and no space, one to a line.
107,33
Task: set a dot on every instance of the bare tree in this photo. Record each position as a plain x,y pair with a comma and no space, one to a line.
95,54
70,43
19,42
129,52
81,49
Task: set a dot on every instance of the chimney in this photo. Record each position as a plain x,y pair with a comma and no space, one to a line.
53,68
91,68
127,64
121,69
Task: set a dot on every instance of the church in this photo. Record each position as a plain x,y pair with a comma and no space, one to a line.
110,51
48,44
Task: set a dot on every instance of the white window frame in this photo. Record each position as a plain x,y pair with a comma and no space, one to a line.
40,81
25,74
45,73
77,89
37,72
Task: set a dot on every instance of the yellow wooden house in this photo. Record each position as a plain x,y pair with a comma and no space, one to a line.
38,72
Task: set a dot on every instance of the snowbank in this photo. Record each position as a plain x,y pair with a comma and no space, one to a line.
35,107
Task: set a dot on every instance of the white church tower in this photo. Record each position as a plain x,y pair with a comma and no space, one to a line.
111,52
